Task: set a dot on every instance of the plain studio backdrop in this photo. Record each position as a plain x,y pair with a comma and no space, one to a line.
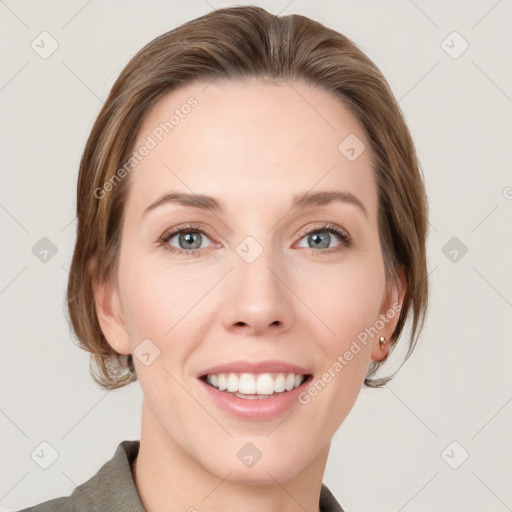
437,437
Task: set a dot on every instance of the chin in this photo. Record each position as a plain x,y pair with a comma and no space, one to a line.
245,463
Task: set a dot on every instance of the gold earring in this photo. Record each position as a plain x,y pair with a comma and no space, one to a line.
382,341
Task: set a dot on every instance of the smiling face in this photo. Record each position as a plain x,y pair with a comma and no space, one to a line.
266,268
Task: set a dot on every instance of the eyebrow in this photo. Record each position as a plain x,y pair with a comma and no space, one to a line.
301,201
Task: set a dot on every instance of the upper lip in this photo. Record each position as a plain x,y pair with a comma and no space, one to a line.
252,367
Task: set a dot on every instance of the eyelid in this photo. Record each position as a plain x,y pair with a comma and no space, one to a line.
322,226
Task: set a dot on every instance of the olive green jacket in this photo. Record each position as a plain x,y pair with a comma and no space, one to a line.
112,489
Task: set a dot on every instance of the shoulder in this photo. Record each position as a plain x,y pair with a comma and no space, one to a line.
64,504
109,489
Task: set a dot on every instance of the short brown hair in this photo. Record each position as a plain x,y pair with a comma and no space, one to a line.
237,43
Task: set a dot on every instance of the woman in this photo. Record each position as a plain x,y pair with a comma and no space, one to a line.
252,226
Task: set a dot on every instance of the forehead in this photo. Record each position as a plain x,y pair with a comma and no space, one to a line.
251,140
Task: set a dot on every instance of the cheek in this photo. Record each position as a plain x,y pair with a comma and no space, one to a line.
144,304
346,298
160,302
349,305
149,306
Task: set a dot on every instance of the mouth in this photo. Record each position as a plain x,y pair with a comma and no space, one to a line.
256,386
255,391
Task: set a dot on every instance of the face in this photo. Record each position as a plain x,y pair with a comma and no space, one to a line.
255,273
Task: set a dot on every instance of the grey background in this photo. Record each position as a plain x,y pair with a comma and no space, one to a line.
391,453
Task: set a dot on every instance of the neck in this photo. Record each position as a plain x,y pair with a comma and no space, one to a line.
169,479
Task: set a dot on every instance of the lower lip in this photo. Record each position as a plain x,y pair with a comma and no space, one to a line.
255,409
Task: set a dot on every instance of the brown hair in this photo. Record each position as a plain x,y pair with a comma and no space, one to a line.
237,43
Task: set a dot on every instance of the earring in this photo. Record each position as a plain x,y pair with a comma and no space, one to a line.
382,341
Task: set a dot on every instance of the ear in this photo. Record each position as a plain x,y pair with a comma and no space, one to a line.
110,314
389,314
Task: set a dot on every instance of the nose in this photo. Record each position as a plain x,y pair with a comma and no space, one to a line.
259,300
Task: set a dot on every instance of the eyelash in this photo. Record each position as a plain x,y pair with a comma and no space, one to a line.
344,237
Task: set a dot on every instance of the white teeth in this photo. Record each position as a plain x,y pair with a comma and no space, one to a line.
290,380
265,384
249,384
223,382
280,383
232,383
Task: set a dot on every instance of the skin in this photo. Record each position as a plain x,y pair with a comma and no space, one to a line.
253,145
